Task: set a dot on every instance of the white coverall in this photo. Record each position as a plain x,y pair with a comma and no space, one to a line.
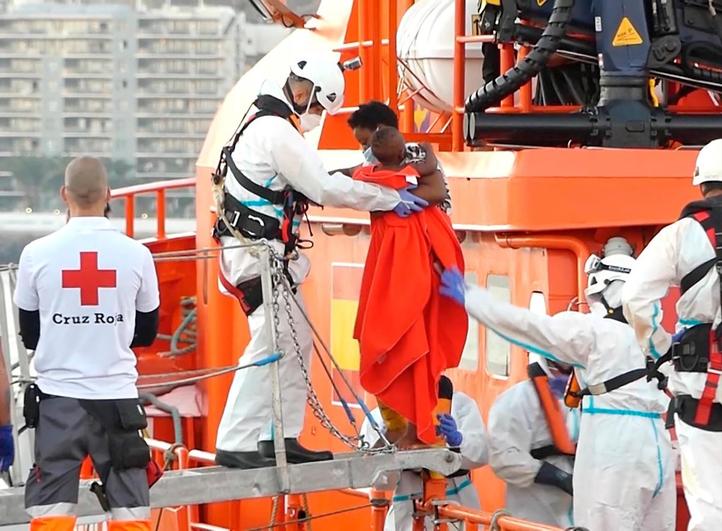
272,153
624,469
674,252
517,426
461,489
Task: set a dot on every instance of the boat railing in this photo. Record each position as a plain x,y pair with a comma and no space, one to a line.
159,189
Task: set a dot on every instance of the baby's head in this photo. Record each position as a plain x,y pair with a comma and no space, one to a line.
388,146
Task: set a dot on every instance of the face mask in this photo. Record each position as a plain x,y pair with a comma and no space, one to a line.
369,156
309,121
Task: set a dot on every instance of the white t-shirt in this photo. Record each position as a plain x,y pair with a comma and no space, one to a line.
87,280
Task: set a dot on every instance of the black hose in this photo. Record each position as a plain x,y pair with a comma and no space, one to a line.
509,82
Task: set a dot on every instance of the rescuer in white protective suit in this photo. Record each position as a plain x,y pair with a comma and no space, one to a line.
683,254
269,174
462,429
624,466
538,476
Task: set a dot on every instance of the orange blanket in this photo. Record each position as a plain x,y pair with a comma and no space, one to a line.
408,333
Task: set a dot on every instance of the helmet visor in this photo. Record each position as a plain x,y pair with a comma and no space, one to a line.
593,264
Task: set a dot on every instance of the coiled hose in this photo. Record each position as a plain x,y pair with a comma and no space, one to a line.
509,82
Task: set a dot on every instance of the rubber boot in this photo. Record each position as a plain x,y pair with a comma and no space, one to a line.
53,523
295,453
243,460
129,525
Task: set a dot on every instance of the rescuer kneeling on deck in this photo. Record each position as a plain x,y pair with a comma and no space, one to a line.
86,294
532,440
270,174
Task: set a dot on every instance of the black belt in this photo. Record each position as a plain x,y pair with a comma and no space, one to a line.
686,407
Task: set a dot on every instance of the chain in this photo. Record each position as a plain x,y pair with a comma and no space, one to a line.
274,510
281,290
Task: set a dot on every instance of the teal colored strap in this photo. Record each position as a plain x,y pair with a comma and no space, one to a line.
449,492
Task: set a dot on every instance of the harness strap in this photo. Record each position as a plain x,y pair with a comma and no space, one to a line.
650,372
714,370
613,383
229,287
711,222
696,275
276,197
704,218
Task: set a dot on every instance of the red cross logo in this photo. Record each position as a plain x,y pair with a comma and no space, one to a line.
89,278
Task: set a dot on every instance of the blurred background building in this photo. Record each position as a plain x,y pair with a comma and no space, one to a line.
135,82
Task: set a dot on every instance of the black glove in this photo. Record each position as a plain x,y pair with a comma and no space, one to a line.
550,475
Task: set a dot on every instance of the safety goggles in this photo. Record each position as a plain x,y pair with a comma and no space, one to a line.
594,264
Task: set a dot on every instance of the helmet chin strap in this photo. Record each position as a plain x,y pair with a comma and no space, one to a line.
607,307
612,313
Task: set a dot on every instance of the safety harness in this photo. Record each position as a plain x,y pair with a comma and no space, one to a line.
248,222
650,371
562,444
699,348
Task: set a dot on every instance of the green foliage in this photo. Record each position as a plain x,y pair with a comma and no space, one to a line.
40,178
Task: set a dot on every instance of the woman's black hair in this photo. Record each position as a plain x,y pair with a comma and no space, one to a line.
373,114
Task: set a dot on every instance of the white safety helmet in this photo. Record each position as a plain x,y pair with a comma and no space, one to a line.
603,271
323,70
709,164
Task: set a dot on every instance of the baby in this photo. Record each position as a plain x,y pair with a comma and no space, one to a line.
404,345
390,150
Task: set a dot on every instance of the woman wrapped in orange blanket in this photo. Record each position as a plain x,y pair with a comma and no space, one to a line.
408,334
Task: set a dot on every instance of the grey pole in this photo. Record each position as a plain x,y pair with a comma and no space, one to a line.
268,306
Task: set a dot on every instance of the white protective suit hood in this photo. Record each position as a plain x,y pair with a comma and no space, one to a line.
612,295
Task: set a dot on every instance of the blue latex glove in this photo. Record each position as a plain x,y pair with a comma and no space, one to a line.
448,429
7,447
409,203
558,385
452,285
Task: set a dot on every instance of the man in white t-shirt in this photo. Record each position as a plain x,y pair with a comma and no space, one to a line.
86,294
